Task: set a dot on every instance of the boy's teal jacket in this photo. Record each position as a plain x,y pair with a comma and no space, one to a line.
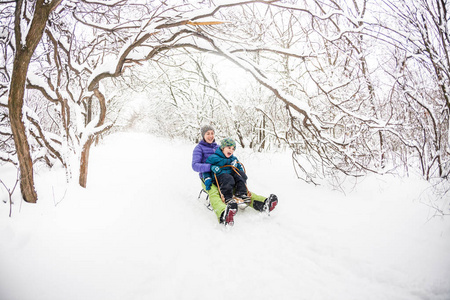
219,159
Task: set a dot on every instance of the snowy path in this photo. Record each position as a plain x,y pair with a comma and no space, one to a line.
138,232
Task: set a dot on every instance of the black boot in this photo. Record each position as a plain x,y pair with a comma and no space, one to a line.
268,205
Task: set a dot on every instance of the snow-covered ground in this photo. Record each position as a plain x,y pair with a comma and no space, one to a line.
139,232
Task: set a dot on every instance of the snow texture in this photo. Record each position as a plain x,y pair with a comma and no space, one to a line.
138,232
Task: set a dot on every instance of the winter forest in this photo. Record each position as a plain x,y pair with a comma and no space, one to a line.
101,104
350,87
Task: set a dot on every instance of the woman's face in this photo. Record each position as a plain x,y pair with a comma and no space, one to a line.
209,136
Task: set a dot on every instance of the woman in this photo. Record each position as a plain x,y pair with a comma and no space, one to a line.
224,212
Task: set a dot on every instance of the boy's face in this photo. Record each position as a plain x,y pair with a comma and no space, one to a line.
228,151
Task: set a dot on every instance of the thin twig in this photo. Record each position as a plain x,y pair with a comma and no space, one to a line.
11,192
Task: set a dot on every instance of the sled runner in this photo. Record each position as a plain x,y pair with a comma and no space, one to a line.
204,199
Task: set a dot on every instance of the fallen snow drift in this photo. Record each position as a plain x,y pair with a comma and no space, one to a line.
138,232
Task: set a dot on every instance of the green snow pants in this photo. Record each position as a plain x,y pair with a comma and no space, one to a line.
219,207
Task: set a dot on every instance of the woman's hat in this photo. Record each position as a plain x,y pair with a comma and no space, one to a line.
205,129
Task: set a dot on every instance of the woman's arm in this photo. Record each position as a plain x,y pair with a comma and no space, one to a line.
197,164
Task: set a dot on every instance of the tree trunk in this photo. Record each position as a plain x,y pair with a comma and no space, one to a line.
25,46
84,160
15,102
84,163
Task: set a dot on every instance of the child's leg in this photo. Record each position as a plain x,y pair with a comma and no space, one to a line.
226,185
240,179
215,200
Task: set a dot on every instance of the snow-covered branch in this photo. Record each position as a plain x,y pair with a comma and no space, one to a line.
259,75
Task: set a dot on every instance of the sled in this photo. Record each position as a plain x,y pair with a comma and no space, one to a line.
204,198
242,203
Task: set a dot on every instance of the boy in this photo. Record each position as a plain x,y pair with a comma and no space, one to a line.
228,178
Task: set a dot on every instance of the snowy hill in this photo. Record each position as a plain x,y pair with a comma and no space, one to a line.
138,232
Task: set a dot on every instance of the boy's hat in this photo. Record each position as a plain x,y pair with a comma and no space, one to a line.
228,142
205,129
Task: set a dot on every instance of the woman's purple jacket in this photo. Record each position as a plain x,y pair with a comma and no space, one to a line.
201,152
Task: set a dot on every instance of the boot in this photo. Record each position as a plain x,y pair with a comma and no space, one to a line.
228,215
270,203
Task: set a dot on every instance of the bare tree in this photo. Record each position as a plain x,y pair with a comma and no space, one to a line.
29,24
122,35
320,69
417,35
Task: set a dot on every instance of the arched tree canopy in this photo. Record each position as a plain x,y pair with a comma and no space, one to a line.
349,87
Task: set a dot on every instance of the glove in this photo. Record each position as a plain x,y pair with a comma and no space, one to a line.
216,169
208,183
235,163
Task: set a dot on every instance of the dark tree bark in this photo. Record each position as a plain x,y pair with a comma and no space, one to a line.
25,47
84,161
